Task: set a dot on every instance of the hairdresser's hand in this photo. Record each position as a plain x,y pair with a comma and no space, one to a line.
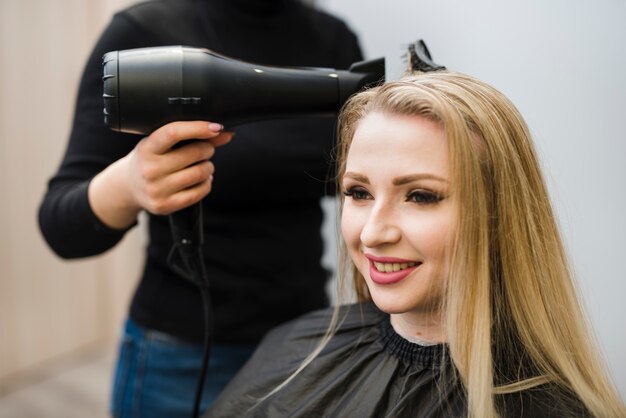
162,174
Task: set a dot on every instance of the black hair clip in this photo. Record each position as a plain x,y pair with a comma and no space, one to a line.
419,58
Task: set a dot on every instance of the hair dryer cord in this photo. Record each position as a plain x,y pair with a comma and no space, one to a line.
187,260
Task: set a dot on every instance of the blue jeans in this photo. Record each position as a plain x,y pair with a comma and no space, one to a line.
157,374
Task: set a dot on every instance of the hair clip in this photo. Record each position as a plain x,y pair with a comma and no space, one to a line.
419,58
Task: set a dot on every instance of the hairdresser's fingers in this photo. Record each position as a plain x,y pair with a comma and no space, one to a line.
222,139
191,153
189,196
183,179
181,189
163,139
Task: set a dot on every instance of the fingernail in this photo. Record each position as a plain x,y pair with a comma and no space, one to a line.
216,127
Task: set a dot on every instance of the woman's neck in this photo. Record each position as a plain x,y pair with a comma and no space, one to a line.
423,329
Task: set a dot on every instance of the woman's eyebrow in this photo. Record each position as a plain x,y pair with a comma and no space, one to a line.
356,176
400,181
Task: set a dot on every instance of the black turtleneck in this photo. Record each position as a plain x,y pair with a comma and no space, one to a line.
262,219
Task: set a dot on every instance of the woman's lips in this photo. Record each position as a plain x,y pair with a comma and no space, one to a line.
386,270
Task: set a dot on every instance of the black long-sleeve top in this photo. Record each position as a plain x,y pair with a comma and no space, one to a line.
262,218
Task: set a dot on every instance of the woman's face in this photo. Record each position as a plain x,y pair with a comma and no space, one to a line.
398,216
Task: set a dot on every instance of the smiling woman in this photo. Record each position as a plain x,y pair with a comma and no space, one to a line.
467,305
398,219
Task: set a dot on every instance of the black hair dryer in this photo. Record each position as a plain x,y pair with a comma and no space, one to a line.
147,88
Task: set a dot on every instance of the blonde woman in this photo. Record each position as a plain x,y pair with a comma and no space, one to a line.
466,302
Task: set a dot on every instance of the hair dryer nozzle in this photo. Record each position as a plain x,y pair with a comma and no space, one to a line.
146,88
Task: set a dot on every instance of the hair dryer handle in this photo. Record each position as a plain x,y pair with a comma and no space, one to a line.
186,226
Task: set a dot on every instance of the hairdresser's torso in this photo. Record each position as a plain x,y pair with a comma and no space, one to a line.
262,219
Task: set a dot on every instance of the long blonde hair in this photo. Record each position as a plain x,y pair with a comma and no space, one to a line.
510,295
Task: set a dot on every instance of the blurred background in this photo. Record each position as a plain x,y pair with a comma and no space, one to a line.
561,61
55,316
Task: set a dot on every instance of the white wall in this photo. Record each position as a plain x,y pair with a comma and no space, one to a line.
563,63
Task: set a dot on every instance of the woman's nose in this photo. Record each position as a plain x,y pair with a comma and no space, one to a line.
380,227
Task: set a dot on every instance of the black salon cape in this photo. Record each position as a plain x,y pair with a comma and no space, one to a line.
367,370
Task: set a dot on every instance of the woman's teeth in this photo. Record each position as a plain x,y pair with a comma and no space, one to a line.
391,267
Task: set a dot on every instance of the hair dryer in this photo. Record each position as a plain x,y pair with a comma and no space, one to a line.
147,88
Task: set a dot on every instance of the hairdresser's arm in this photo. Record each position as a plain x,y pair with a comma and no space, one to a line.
66,218
156,175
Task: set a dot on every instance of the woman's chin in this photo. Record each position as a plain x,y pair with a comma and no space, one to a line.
389,305
396,304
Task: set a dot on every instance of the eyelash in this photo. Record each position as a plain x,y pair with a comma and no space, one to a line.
424,197
352,193
421,197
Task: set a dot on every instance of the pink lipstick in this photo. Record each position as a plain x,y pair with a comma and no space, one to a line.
390,270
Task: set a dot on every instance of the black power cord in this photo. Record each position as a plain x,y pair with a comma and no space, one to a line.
186,258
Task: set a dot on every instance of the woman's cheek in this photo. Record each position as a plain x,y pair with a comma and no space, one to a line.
352,221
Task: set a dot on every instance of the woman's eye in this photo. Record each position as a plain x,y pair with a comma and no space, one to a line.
357,193
424,197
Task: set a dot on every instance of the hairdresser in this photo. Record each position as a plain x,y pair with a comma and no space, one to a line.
260,194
